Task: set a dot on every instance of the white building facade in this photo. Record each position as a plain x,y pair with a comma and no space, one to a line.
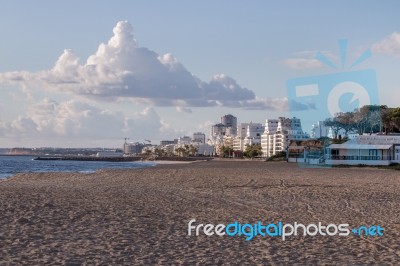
319,130
365,149
253,134
238,140
230,122
268,137
278,133
199,137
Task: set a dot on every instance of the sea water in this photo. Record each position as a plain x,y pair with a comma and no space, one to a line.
11,165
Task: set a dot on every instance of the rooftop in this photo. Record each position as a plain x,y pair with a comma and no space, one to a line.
375,139
353,146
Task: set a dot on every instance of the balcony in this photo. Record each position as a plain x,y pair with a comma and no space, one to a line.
361,158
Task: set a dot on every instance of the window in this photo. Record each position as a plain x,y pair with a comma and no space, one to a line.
373,152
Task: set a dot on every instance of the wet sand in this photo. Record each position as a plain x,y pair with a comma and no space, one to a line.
140,216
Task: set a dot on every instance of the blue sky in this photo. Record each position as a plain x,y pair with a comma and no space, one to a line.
257,45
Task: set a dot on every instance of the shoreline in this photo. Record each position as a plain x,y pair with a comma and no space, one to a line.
145,164
118,159
227,160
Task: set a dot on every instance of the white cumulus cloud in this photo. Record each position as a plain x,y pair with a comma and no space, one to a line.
121,69
49,119
389,45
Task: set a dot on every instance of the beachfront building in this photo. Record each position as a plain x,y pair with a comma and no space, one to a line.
168,142
218,130
194,149
134,148
222,134
150,149
168,149
238,140
308,151
185,140
247,134
268,137
204,149
319,130
228,141
238,144
253,134
227,127
224,141
199,137
230,122
365,149
278,133
191,146
218,133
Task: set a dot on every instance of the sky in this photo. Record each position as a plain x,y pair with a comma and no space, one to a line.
90,73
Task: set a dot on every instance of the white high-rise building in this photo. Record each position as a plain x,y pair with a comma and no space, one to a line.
238,141
218,130
319,130
199,137
253,134
242,130
278,133
227,127
134,148
268,137
185,140
230,122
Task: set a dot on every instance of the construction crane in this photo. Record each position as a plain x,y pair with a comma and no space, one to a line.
149,141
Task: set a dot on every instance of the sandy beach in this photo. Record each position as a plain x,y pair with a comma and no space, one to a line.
140,216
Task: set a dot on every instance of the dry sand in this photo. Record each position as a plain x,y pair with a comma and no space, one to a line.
140,216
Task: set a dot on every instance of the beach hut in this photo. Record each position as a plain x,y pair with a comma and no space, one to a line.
367,150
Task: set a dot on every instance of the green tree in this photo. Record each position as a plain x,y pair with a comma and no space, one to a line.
253,150
345,121
192,150
181,151
158,152
225,151
335,125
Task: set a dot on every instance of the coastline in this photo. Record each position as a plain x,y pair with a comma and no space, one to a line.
119,159
140,216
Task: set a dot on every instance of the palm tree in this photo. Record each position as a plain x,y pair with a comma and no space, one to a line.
180,151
